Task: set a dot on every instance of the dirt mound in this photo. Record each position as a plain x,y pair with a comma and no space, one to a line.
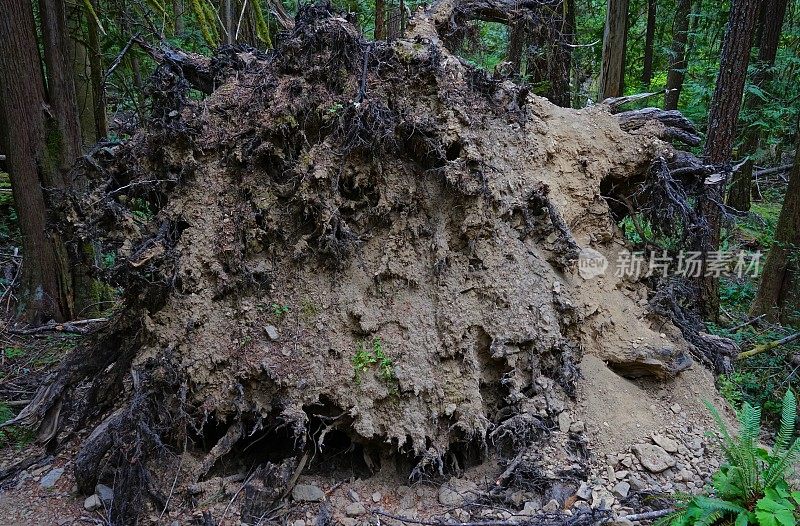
352,249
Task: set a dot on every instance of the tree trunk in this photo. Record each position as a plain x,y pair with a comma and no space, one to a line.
777,295
45,285
79,56
516,44
677,59
613,68
724,112
650,32
228,12
98,84
177,8
380,15
772,21
560,63
64,136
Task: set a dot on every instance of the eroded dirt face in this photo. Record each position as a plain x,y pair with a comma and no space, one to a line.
373,239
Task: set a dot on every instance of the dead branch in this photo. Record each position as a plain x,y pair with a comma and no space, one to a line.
72,327
773,170
758,349
195,68
614,103
746,323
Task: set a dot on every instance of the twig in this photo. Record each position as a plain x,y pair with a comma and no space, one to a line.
649,515
746,323
119,58
443,523
758,349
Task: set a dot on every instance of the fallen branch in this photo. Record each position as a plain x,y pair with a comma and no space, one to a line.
675,125
648,515
746,323
758,349
774,170
73,327
614,103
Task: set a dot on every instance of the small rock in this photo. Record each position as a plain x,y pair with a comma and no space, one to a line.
577,427
355,509
636,484
610,475
272,332
621,490
667,444
299,522
348,521
105,493
602,500
584,492
621,474
92,503
564,421
551,507
676,408
49,480
653,457
449,497
376,497
307,493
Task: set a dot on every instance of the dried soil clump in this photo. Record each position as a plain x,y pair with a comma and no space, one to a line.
348,246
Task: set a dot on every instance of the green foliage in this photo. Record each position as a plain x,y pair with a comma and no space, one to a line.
364,358
13,352
280,311
750,487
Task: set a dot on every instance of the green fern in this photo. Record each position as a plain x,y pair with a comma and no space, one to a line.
750,487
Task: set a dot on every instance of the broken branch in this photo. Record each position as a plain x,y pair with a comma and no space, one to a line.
758,349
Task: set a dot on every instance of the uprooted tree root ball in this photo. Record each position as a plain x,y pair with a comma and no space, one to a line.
347,246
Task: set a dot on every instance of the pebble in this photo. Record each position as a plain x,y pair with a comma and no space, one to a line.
376,497
49,480
92,503
667,444
675,408
272,332
355,509
653,457
551,507
307,493
621,490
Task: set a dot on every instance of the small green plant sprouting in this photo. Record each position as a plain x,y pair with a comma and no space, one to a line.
336,107
309,309
280,311
364,358
13,352
750,488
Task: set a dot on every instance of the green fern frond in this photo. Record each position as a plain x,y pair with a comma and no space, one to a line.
262,27
779,467
711,504
788,419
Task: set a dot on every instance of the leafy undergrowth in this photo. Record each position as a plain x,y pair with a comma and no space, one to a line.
760,379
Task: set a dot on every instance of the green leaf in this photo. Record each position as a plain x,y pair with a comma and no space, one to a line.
741,520
766,518
785,517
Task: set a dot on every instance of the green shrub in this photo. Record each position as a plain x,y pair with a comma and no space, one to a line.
750,487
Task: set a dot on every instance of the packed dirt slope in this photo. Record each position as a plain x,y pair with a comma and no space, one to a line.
354,248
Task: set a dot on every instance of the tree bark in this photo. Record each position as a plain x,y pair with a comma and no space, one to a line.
677,60
560,64
177,8
777,296
724,111
774,12
98,83
649,37
44,287
82,76
380,23
613,68
64,136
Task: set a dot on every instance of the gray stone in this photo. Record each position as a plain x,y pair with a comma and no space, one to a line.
602,500
621,490
299,522
584,492
49,480
355,509
667,444
653,457
449,497
551,507
376,497
577,427
105,493
307,493
272,332
92,503
676,408
564,421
